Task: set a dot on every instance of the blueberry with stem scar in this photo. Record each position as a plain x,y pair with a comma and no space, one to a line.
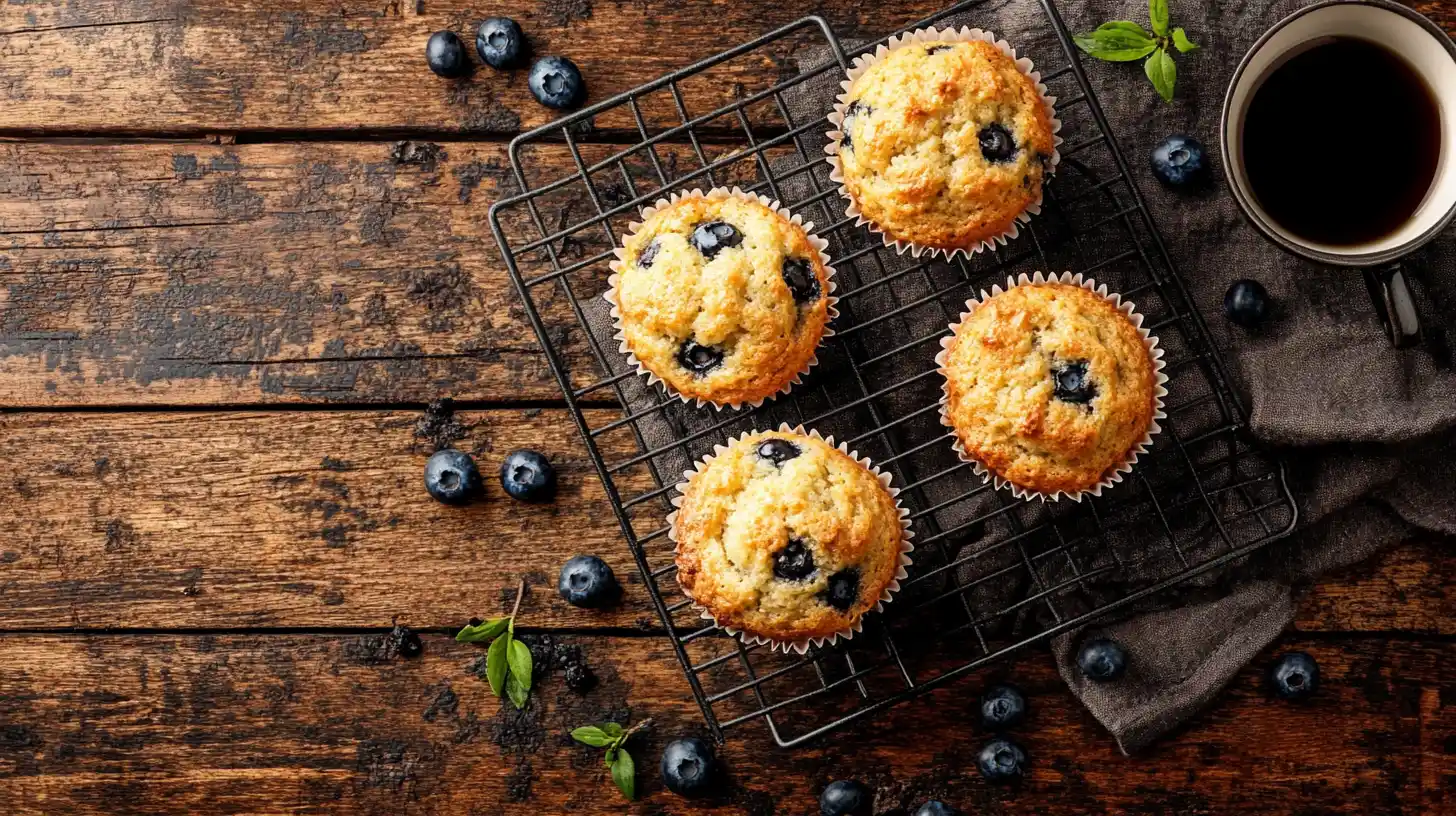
778,451
698,358
715,236
996,143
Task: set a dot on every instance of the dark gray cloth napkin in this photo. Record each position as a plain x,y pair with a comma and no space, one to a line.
1369,433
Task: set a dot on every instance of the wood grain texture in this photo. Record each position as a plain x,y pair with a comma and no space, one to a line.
251,519
244,519
303,724
120,66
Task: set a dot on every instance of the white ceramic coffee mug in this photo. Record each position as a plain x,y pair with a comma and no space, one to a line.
1431,53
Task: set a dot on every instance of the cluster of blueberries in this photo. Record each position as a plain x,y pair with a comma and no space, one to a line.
1180,163
554,81
451,476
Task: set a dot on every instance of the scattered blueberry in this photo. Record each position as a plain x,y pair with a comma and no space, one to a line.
1001,761
935,807
1178,161
1002,707
996,143
845,797
1102,660
1295,676
802,282
937,49
715,236
778,451
843,589
500,42
586,581
451,476
410,644
1246,303
649,254
689,767
556,83
446,54
1070,383
697,358
528,476
794,562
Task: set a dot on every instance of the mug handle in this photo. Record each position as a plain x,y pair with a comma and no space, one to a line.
1394,304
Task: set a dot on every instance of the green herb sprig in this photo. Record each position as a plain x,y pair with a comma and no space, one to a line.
1126,41
613,737
507,661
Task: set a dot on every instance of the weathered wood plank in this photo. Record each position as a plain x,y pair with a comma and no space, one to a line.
305,724
194,274
249,519
232,65
319,518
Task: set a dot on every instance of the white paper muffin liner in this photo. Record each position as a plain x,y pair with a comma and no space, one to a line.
820,245
800,646
1114,474
919,36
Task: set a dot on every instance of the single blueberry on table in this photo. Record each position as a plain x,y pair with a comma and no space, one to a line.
799,277
1001,760
935,807
689,767
846,797
1070,383
586,581
715,236
1294,676
1002,707
644,261
556,83
794,562
451,476
1246,303
528,476
699,359
1178,161
446,55
997,145
778,451
1102,660
500,42
843,589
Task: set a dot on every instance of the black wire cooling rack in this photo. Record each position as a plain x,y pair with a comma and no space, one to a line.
991,574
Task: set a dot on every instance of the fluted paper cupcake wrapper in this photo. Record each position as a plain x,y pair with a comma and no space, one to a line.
820,245
1112,475
836,136
801,646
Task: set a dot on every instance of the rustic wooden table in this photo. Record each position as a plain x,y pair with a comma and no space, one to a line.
227,297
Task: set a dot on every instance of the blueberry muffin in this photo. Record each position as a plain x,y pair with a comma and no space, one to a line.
1049,386
722,297
944,144
784,537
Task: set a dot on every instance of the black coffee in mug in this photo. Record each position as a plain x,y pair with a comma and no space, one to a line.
1341,142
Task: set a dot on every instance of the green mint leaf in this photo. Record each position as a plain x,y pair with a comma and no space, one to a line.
1158,16
518,657
1181,41
624,773
495,663
489,630
516,691
592,735
1162,73
613,730
1127,26
1116,44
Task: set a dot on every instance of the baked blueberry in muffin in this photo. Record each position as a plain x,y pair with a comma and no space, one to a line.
784,537
944,144
722,297
1049,386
